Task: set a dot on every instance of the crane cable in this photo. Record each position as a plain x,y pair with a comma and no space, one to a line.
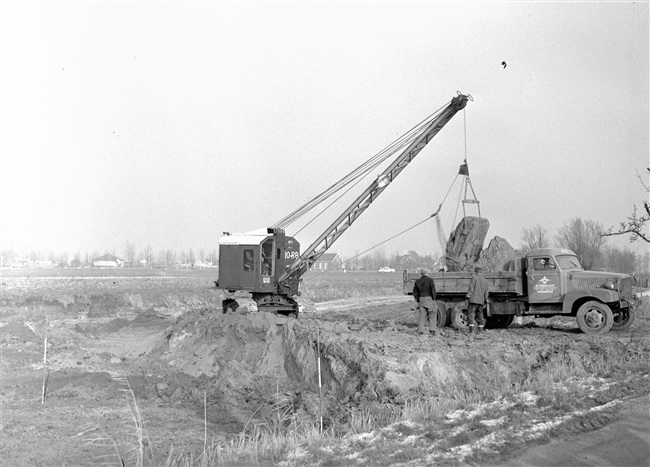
435,214
358,173
439,229
467,180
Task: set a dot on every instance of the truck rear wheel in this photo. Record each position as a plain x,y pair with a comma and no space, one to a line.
623,319
595,318
499,321
459,318
444,317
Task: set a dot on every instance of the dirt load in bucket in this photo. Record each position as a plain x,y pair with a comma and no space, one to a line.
157,353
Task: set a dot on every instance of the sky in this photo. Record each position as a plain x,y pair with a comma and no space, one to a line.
169,123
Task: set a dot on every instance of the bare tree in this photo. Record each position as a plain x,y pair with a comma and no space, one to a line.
62,259
8,257
643,268
365,262
129,252
170,257
535,237
636,223
617,260
584,238
147,254
76,260
379,259
161,258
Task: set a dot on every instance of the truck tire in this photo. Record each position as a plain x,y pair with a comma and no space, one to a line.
499,321
623,319
444,315
594,318
459,317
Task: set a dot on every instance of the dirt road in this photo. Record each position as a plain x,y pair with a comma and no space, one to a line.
625,442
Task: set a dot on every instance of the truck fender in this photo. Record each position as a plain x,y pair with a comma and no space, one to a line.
602,295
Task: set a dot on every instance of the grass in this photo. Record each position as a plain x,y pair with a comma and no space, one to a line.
138,450
564,388
285,433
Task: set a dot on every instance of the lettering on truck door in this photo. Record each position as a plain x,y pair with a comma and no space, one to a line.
543,280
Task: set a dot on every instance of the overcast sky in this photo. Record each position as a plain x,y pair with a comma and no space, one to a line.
169,123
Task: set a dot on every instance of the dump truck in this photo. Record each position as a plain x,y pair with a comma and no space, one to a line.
545,282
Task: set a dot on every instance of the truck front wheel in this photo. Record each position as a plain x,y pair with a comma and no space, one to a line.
623,319
595,318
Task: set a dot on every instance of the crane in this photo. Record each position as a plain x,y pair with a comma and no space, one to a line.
268,264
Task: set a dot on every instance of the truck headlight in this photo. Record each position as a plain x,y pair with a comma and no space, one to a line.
609,285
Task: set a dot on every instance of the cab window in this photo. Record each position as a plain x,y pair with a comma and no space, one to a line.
267,258
249,260
545,263
569,262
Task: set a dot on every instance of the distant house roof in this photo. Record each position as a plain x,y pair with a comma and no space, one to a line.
409,255
329,257
108,257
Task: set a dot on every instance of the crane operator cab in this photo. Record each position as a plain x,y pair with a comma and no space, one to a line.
253,261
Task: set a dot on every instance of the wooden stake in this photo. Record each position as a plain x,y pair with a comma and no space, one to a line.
320,392
44,364
205,421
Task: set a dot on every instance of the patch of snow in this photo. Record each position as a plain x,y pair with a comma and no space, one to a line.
368,436
494,421
527,397
411,439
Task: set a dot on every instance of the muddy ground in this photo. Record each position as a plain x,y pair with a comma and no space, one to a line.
156,346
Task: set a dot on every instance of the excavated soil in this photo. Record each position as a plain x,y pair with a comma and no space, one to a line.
160,346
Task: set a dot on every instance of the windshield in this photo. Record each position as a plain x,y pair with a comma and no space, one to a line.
568,262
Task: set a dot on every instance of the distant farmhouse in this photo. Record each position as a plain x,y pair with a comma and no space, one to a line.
108,261
411,260
328,261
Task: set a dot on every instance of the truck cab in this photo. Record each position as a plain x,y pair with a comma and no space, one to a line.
545,279
557,282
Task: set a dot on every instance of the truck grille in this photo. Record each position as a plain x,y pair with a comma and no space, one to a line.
586,284
626,288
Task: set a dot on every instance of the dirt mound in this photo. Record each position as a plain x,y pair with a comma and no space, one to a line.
18,331
359,362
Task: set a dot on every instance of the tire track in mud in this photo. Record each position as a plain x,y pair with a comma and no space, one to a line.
624,442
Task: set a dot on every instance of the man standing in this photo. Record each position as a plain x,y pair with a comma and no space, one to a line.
477,297
424,292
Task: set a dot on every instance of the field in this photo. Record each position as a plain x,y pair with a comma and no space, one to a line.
140,367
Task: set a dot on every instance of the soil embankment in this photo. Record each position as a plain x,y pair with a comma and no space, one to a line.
192,369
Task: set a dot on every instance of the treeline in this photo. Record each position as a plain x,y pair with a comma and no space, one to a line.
145,257
587,238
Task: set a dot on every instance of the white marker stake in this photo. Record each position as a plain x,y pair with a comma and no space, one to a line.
44,365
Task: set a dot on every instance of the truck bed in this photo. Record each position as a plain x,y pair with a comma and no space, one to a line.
454,283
